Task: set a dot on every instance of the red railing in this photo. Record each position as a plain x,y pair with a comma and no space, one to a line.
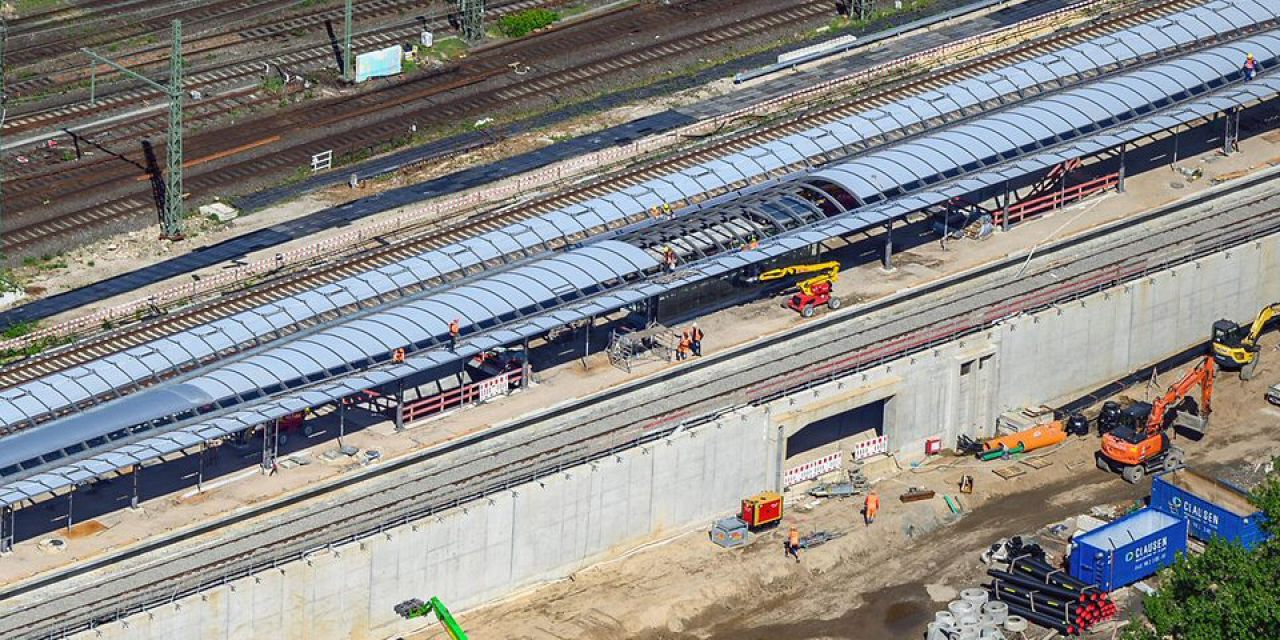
472,393
1060,197
451,208
913,340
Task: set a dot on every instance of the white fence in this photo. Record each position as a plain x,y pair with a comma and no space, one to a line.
813,469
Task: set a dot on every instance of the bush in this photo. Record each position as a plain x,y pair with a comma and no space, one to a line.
521,24
1226,593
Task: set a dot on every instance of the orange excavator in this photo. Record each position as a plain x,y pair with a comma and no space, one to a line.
1139,444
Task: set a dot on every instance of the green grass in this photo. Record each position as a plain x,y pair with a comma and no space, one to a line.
273,84
26,7
21,329
518,25
444,49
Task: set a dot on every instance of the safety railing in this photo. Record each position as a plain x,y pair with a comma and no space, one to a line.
507,190
467,394
1058,198
980,320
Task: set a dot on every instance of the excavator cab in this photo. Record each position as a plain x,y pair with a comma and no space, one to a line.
1235,347
1138,441
1130,448
1228,345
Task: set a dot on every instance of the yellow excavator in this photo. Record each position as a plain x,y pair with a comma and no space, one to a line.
810,292
1234,348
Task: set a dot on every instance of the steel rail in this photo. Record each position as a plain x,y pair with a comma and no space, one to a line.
439,215
439,235
443,483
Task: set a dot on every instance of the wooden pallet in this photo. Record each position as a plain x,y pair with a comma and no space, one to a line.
1037,463
1009,472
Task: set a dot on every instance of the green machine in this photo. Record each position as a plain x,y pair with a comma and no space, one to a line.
417,609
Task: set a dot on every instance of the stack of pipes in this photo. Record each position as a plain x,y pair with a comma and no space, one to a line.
1049,597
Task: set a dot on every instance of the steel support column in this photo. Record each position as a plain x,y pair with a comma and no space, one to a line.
472,19
133,499
888,246
1120,174
342,420
200,471
174,213
525,371
586,343
7,524
1004,208
1231,132
71,507
348,73
4,111
270,445
400,405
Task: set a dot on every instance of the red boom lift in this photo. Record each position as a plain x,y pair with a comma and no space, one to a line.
811,292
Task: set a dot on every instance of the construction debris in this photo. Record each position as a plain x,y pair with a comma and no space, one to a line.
916,494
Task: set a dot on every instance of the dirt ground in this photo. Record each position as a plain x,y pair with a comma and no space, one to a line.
882,581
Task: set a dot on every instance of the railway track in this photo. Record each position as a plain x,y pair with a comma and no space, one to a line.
363,123
468,469
436,235
219,72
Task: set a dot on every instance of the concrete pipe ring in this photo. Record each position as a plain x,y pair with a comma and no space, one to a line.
1015,624
977,597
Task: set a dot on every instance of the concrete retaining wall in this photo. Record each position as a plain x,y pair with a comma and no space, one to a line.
551,528
536,532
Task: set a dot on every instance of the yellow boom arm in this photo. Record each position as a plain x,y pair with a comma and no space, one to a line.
830,273
1264,316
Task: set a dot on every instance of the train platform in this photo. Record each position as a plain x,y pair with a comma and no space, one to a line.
313,218
97,524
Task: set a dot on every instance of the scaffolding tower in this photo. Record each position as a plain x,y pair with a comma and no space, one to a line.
471,14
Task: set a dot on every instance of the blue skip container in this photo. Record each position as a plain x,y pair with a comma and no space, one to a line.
1128,550
1211,508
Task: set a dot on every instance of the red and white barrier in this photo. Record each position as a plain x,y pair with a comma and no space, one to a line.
872,447
813,469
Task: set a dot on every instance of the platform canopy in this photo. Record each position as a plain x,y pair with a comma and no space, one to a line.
605,276
79,388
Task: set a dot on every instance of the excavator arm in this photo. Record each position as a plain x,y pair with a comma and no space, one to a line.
1201,376
434,607
1267,313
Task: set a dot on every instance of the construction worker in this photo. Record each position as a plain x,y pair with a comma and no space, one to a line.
871,507
682,350
695,339
455,330
792,544
666,210
669,258
1250,67
654,212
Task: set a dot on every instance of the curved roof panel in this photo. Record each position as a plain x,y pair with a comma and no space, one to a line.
866,177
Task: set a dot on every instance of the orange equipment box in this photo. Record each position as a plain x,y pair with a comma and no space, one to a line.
762,509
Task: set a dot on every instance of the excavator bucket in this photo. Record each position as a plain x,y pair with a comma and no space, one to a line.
1189,422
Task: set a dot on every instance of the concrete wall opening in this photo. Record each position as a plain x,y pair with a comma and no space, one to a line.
838,432
975,395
